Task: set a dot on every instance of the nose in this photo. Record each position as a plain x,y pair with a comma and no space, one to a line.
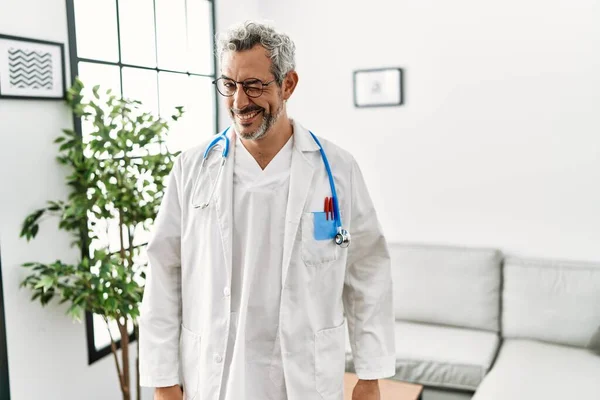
240,98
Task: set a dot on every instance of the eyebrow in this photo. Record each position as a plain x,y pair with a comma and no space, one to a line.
251,78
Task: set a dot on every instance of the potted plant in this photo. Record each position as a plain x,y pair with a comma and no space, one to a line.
117,181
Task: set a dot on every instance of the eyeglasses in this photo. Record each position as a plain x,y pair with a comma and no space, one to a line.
252,87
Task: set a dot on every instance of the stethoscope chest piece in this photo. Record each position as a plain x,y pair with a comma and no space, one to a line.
342,238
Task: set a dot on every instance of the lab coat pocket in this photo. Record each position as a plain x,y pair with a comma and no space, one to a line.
318,246
330,363
190,359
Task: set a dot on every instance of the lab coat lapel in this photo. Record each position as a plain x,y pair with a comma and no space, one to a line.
223,199
301,177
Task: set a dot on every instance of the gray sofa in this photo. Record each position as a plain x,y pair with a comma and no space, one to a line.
472,323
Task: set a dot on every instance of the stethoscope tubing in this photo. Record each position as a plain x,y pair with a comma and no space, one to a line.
342,234
336,208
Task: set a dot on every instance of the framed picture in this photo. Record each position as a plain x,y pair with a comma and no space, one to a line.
378,87
31,69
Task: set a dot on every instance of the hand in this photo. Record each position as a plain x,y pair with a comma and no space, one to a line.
366,390
168,393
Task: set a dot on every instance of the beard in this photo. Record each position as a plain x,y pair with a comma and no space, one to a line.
268,120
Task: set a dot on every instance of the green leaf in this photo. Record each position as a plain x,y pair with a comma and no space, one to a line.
67,145
46,297
45,283
30,223
75,312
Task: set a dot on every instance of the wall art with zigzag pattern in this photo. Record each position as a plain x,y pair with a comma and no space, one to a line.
31,68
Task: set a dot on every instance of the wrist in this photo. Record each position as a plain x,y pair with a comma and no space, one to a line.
167,388
368,382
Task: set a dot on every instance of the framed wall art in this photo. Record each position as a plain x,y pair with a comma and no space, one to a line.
31,69
381,87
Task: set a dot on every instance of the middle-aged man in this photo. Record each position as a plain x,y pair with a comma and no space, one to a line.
249,288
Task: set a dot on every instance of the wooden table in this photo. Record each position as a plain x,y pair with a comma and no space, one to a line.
390,389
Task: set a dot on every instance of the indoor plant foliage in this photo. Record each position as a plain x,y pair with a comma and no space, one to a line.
117,183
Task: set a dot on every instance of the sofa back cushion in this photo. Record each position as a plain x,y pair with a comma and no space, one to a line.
552,301
446,285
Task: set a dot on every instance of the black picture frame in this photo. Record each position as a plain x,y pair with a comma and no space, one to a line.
4,379
31,71
378,87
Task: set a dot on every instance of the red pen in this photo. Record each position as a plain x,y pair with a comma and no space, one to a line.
326,208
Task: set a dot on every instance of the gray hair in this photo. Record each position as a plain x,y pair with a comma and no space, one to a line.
279,46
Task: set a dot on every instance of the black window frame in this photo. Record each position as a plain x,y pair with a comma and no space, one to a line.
4,377
93,353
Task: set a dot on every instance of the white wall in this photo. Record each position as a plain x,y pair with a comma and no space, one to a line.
47,351
498,143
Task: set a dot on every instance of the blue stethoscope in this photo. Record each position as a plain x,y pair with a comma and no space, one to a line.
342,237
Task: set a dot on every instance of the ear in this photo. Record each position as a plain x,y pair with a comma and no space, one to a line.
289,84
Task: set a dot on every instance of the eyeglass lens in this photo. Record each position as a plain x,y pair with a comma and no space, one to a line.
252,87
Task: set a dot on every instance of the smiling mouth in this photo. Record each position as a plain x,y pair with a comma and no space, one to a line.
247,117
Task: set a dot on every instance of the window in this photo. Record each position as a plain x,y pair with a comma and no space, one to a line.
159,52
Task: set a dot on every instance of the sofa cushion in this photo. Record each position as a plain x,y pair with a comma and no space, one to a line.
445,285
551,301
443,356
528,370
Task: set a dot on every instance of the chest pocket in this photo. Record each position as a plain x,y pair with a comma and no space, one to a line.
318,246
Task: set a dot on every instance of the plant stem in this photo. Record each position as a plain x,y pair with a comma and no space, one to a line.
121,234
130,249
113,348
125,357
139,246
136,331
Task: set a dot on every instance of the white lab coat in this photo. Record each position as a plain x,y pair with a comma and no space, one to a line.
185,311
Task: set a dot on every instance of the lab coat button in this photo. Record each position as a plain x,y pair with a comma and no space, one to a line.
218,358
226,291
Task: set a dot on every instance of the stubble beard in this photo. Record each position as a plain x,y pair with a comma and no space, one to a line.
267,123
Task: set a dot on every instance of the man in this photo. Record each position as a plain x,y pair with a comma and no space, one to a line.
248,297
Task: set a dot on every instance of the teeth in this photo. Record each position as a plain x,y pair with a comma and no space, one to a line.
247,116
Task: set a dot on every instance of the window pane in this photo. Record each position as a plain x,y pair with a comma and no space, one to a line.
200,37
96,29
107,234
101,335
202,112
141,84
107,76
171,34
91,74
196,95
136,18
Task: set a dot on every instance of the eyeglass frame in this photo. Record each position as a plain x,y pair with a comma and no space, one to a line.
244,87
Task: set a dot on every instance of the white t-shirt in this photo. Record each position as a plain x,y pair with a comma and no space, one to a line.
253,369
